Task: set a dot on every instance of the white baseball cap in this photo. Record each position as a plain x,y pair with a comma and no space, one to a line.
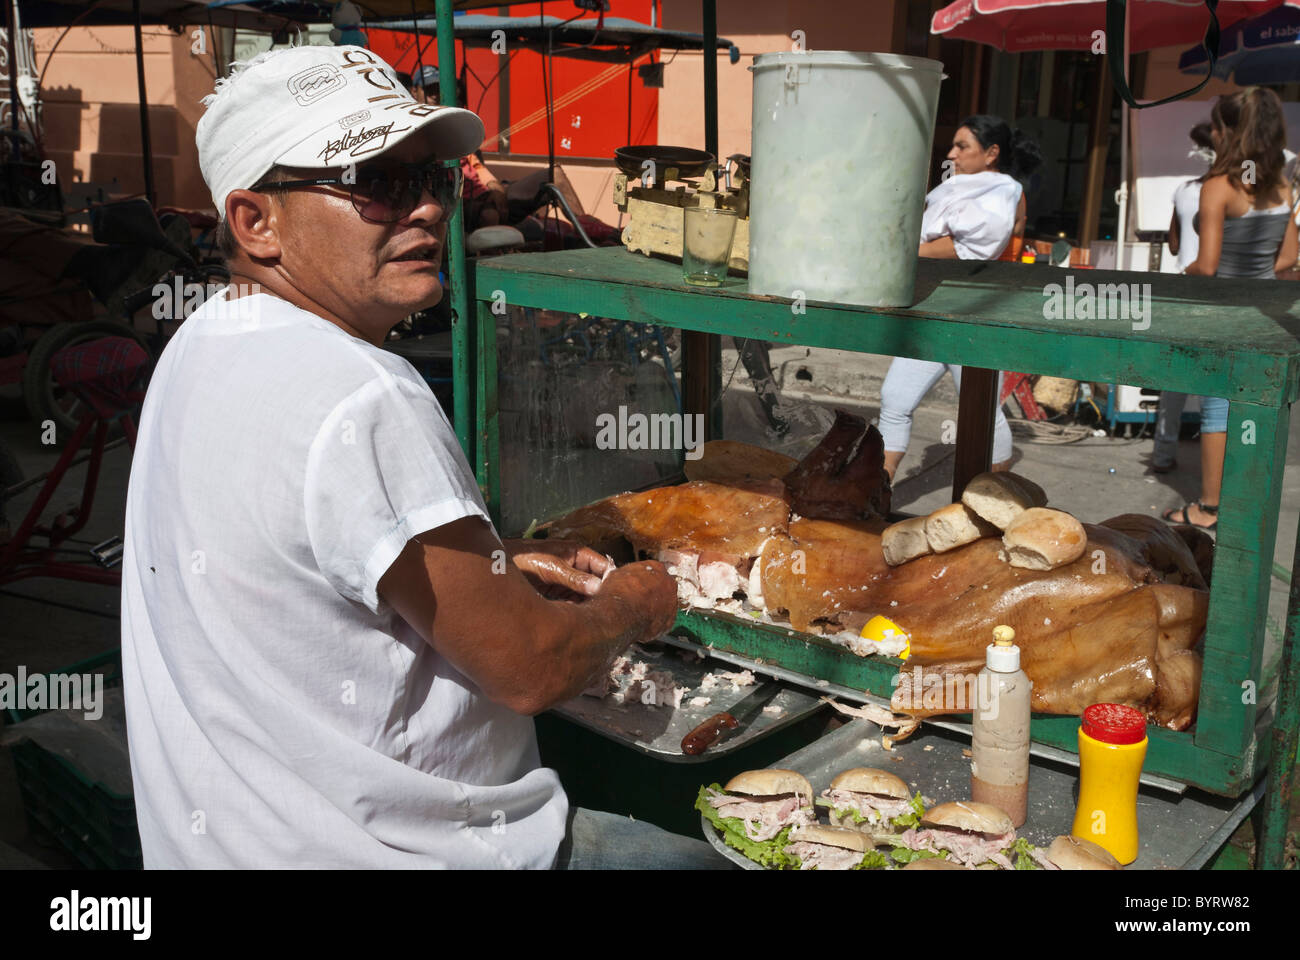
317,107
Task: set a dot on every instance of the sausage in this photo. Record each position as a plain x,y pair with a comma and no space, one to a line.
703,736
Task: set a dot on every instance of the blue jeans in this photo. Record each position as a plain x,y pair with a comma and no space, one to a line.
1169,415
605,841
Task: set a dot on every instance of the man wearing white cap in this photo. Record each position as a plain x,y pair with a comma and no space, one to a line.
327,660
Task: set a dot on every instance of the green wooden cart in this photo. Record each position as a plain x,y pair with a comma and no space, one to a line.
1234,339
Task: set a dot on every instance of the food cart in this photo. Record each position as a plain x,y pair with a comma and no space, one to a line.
1235,339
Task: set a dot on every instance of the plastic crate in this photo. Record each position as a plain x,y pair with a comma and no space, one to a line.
93,823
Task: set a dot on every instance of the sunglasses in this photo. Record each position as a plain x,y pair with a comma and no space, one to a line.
386,192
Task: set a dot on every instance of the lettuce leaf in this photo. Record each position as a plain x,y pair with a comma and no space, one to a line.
905,856
907,820
903,821
1022,849
769,853
873,860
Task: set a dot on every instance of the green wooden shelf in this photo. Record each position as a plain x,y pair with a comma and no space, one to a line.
1204,333
1207,336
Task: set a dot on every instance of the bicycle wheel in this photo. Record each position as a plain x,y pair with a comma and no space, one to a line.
44,398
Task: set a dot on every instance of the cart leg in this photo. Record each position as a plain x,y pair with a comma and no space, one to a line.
1271,846
976,410
487,446
702,379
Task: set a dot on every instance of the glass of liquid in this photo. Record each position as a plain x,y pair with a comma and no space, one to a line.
707,233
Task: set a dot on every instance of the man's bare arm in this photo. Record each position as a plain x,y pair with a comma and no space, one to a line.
521,650
939,249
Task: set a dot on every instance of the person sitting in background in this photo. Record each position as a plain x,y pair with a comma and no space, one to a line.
489,201
971,215
1246,230
423,84
1185,245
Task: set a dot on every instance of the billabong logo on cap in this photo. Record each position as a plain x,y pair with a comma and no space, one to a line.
359,117
310,85
361,142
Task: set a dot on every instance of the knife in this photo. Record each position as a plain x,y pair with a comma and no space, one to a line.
721,725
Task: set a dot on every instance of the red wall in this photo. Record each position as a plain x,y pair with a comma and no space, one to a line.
593,123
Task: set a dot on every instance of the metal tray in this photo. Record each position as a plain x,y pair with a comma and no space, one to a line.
1177,832
658,730
824,688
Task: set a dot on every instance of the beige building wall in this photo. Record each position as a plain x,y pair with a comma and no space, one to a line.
92,116
755,26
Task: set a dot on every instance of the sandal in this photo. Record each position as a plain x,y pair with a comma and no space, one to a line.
1171,515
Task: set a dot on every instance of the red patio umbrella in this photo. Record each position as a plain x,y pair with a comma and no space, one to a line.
1023,25
1020,25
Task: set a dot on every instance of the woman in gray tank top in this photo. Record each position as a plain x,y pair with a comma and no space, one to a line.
1247,229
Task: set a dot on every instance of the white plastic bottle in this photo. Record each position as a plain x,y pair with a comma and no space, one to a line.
999,770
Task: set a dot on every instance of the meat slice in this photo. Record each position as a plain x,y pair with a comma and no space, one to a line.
823,856
843,478
728,521
874,808
729,461
824,572
764,819
962,846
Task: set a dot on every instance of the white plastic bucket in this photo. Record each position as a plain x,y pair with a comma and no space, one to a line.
841,146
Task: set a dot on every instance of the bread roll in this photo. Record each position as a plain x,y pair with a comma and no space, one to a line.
872,780
1042,539
1075,853
933,863
1001,497
832,837
955,526
905,541
970,815
771,782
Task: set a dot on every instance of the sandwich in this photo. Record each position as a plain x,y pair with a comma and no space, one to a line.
974,835
933,863
1075,853
873,801
819,847
756,811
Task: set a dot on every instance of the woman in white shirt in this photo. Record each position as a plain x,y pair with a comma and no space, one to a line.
971,215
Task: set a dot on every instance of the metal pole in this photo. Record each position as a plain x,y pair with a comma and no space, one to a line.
1122,194
146,145
419,51
711,76
462,393
11,20
702,352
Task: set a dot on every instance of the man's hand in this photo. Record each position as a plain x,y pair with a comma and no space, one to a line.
563,564
522,651
647,589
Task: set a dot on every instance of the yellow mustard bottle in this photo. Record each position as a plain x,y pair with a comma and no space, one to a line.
1112,747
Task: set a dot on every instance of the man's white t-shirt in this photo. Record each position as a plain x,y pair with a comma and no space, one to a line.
978,210
279,713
